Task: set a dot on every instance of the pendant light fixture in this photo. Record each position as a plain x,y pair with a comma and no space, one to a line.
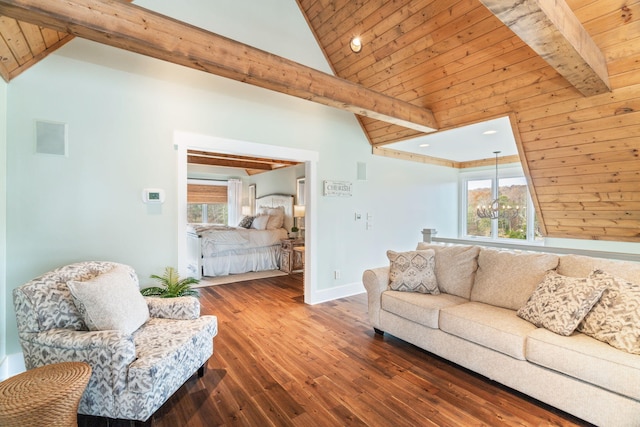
494,210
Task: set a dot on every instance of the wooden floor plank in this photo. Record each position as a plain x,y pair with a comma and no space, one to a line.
280,362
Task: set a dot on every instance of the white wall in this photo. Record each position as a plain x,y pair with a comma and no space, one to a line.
121,125
4,295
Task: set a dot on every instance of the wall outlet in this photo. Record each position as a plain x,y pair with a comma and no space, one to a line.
336,274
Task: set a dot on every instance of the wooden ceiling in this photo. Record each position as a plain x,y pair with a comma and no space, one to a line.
251,165
568,77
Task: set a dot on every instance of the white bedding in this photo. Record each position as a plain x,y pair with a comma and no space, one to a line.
218,250
219,239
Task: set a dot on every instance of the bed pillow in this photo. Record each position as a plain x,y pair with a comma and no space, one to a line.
246,222
260,222
276,218
615,318
413,271
111,301
559,303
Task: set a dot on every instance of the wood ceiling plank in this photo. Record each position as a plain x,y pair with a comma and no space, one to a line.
417,49
587,131
624,166
589,188
386,27
230,163
592,222
34,38
601,146
15,39
607,206
596,233
555,33
606,215
8,61
594,10
136,29
595,178
51,37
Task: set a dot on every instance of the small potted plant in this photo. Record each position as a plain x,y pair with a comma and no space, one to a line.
171,286
294,231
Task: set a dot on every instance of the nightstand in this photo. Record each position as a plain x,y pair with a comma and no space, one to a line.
291,260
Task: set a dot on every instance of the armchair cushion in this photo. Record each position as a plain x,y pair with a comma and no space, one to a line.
174,308
111,300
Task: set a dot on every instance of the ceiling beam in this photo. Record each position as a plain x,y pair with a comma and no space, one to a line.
139,30
229,163
554,32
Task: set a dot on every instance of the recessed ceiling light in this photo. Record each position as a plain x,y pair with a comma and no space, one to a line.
355,44
489,132
423,145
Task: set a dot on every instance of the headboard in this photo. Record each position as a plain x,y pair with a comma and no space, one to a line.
275,200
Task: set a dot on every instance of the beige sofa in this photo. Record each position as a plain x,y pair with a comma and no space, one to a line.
473,322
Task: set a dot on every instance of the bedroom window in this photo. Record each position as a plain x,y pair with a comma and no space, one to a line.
207,202
480,190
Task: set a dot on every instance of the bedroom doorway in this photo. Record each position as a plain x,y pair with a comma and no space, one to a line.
184,142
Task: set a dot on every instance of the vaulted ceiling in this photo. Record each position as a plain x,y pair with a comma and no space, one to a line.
567,75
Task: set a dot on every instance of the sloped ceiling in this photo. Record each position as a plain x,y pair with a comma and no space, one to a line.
568,77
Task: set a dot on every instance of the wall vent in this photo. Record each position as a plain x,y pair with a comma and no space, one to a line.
51,138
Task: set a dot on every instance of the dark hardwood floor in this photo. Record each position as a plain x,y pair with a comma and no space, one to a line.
279,362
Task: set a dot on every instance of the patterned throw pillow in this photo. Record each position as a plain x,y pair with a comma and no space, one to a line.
246,222
559,303
615,319
413,271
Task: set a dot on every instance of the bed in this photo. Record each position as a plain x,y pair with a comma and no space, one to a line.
220,250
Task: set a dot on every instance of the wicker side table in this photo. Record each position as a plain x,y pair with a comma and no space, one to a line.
45,396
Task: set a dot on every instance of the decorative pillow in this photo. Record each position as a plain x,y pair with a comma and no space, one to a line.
246,222
276,217
260,222
111,300
559,303
413,271
615,319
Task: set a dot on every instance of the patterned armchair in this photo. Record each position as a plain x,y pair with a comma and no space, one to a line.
133,374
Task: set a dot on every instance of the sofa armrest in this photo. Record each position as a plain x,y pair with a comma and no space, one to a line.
181,308
108,348
375,281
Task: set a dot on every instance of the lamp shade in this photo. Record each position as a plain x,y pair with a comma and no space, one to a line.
298,211
246,210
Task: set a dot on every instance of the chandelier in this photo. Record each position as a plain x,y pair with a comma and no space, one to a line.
494,210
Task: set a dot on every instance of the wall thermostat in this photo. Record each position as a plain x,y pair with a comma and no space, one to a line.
153,195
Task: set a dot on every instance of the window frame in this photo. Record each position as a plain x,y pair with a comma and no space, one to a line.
490,174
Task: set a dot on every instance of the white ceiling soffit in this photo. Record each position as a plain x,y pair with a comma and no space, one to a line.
464,144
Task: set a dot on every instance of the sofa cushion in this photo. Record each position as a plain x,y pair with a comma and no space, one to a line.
420,308
413,271
496,328
587,359
111,301
615,318
507,279
559,303
582,266
455,267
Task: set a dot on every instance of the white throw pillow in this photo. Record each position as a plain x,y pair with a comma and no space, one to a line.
111,300
260,222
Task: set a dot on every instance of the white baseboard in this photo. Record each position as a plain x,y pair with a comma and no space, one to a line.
338,292
12,365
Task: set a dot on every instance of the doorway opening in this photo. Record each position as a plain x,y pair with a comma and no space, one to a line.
184,141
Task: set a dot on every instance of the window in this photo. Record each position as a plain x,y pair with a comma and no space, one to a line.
512,194
207,202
